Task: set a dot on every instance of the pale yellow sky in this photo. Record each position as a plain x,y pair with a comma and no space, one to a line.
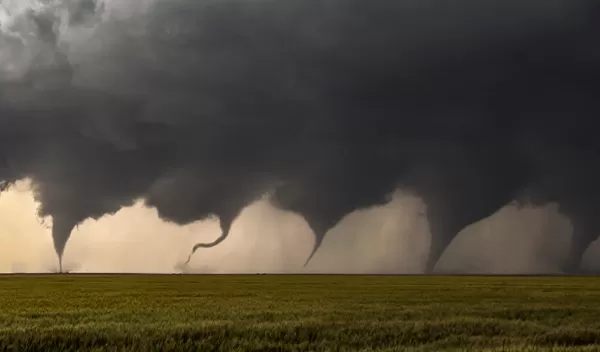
263,239
388,239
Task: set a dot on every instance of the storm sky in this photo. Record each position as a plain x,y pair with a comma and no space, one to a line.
320,109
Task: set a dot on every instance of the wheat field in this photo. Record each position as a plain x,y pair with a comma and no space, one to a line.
298,313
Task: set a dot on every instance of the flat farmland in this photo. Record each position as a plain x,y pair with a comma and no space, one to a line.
298,313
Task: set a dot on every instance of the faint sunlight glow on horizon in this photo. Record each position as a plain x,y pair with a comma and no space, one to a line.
263,239
389,239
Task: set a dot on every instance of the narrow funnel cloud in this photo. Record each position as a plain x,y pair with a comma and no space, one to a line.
225,228
61,230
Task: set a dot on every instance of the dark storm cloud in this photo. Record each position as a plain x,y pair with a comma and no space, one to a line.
202,107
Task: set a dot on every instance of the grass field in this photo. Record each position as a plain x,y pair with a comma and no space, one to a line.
285,313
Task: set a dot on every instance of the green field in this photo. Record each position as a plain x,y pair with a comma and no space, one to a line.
298,313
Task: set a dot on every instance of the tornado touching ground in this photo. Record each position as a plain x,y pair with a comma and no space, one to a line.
199,108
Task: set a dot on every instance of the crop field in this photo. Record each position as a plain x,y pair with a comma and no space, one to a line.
298,313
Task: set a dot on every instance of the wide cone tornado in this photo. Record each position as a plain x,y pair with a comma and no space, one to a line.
586,228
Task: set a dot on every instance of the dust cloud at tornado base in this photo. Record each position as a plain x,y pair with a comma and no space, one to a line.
389,239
